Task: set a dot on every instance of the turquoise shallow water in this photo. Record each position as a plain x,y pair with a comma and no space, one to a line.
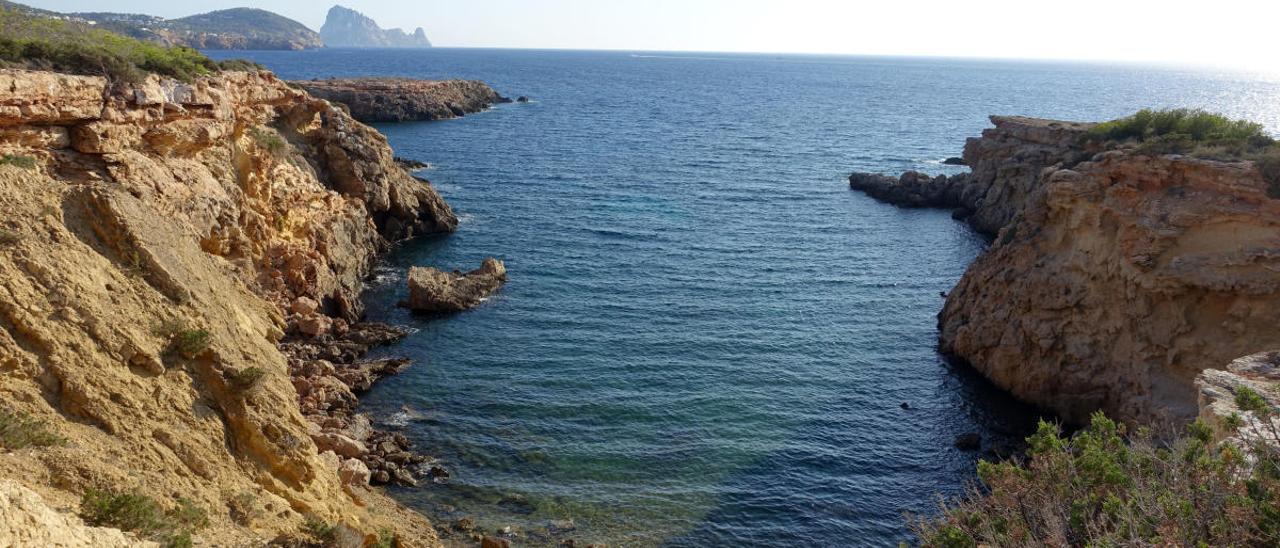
706,337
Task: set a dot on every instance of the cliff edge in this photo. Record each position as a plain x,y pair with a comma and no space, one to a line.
1117,275
156,242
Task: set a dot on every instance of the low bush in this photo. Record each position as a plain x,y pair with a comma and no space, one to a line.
319,530
137,513
385,539
183,339
20,431
16,160
239,65
1103,487
1187,131
1197,125
246,379
1269,166
268,140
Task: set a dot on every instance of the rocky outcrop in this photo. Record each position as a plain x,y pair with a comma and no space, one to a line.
436,292
373,100
159,241
1116,278
1006,164
1218,406
348,28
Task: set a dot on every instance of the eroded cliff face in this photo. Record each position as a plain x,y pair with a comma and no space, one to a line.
1120,281
136,214
1115,278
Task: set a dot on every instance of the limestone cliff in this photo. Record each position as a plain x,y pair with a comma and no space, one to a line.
136,216
1116,277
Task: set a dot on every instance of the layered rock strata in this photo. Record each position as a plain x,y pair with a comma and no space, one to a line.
1116,278
434,291
374,100
155,242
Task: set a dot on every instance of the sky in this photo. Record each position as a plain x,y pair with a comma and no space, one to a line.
1225,33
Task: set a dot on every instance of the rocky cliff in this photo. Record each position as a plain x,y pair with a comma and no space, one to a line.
1006,164
1116,277
373,100
348,28
159,241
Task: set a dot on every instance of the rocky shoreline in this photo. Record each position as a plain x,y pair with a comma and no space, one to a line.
180,271
1118,281
378,100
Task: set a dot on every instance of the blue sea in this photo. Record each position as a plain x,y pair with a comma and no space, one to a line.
706,337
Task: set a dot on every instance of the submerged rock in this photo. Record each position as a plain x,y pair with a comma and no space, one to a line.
434,291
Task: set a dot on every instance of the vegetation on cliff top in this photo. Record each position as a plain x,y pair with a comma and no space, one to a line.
1103,487
1188,131
29,40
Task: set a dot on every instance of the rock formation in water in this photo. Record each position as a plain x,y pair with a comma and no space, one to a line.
159,241
348,28
1006,163
373,100
435,291
1116,278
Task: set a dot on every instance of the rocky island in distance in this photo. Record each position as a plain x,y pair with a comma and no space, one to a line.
348,28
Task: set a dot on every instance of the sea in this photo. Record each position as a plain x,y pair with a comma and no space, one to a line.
706,338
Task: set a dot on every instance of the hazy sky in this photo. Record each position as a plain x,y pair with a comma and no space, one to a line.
1219,32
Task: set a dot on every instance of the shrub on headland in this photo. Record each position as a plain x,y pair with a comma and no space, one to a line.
1187,131
1103,487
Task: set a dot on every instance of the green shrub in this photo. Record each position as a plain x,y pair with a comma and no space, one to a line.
385,539
141,514
20,431
269,141
1103,487
24,162
183,339
1268,165
192,342
1197,125
246,379
319,530
239,65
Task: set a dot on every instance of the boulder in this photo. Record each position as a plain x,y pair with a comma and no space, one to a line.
435,291
354,472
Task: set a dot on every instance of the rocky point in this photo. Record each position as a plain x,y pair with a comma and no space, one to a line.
1116,279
